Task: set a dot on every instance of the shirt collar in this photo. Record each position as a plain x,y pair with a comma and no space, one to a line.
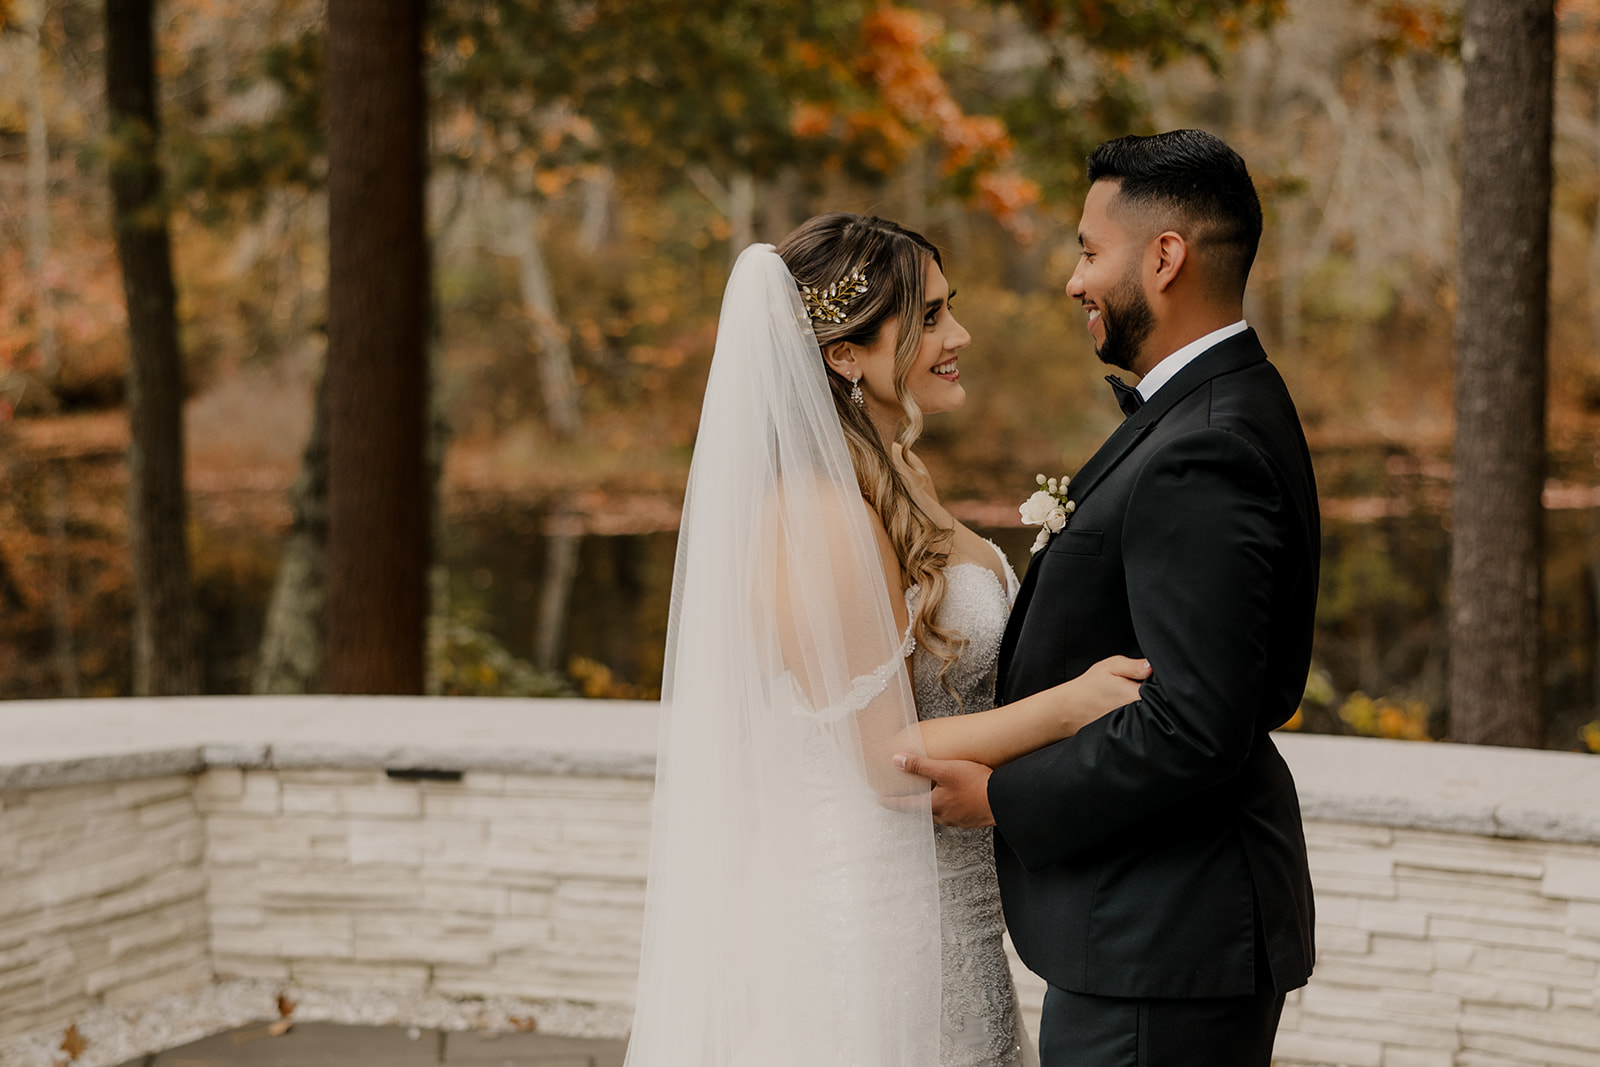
1162,372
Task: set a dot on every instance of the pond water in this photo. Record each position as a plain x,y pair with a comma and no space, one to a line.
1381,628
590,609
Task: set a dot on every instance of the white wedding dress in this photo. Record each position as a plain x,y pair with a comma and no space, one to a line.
980,1024
792,910
801,911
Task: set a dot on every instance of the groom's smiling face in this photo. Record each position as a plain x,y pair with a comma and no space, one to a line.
1108,281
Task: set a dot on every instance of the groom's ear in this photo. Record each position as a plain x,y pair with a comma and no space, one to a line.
1171,252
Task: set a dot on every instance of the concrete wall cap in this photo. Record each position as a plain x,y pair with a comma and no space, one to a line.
1500,792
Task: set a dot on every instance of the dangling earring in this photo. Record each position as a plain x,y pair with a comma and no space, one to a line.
856,397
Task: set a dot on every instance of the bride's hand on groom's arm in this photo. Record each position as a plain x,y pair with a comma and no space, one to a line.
1001,734
960,795
1108,685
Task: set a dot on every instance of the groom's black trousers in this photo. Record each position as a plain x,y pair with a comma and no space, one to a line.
1079,1030
1086,1031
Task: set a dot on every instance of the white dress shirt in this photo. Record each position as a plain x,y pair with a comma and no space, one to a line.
1162,372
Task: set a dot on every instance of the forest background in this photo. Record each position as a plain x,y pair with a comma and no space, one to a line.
591,177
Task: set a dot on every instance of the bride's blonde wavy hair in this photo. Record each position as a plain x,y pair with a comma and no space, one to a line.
820,252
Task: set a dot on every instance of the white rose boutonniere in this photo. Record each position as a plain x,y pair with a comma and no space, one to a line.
1048,508
1036,507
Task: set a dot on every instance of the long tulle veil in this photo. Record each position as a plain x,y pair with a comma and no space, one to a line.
790,918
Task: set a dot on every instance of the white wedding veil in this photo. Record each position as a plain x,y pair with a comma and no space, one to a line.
790,918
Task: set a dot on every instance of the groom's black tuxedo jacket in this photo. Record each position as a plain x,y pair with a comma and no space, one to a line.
1156,852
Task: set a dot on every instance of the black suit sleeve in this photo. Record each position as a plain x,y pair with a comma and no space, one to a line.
1203,532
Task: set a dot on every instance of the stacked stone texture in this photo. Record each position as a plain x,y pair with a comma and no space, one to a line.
102,898
528,886
1456,927
1449,950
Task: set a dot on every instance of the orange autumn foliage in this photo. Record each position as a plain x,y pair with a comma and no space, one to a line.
1419,25
912,98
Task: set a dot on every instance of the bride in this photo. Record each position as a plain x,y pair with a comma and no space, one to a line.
827,613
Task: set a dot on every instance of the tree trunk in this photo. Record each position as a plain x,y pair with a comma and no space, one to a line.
1290,271
1594,246
438,447
741,215
63,647
1508,47
31,16
64,651
914,175
562,538
378,537
292,644
556,379
736,202
778,205
596,227
165,656
1592,616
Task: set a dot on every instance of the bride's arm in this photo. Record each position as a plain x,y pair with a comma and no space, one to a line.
1002,734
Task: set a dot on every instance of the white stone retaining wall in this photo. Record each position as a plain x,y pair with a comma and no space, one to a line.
1449,950
148,848
519,885
102,898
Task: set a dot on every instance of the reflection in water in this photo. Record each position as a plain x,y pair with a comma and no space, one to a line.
613,592
1381,641
529,589
561,599
555,596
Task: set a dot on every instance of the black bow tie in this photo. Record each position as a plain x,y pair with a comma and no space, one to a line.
1128,398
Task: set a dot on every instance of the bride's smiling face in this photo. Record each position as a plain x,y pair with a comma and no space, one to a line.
934,379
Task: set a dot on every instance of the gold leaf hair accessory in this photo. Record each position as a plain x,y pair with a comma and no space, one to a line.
833,303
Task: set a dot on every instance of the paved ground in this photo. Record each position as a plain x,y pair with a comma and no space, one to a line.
328,1045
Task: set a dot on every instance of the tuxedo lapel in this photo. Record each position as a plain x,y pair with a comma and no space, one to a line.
1121,441
1008,640
1235,353
1130,433
1115,447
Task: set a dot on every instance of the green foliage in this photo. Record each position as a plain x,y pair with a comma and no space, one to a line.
1405,720
598,682
1319,687
1315,710
675,83
1377,566
1056,128
1085,83
1430,26
238,164
1158,31
466,660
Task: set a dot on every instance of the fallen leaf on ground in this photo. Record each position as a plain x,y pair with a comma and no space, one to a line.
72,1043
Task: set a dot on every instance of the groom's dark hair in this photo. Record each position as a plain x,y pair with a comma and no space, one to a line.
1189,181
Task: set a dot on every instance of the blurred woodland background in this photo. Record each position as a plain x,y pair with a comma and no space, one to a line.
593,168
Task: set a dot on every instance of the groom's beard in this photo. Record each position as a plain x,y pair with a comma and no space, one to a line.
1126,320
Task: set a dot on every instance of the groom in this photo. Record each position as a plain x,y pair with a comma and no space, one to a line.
1153,867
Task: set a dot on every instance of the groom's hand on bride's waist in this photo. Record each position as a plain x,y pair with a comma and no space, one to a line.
960,788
